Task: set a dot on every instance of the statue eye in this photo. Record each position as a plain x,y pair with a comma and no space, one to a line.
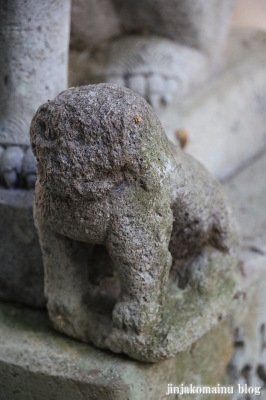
46,132
49,134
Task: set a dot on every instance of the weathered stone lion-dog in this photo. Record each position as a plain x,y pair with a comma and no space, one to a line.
116,206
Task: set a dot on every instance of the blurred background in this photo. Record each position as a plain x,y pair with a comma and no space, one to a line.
250,13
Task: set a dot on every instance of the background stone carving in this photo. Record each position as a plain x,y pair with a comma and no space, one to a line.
148,46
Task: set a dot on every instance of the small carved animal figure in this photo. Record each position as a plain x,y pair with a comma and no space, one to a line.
115,207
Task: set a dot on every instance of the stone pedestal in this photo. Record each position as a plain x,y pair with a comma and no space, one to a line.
39,363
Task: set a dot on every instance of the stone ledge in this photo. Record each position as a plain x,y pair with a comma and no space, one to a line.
38,363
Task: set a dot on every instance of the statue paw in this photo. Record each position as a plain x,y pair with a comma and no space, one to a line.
158,69
29,169
157,89
17,167
71,317
135,316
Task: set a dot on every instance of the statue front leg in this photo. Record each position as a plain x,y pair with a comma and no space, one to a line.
66,281
139,250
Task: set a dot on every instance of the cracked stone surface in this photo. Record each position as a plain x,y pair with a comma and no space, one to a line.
154,227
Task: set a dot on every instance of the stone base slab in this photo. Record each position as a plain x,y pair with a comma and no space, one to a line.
38,363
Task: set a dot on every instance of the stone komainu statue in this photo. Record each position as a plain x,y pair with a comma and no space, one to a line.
138,241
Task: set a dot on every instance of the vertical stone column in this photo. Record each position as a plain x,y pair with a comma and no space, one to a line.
34,38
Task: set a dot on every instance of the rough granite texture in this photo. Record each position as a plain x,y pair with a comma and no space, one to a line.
117,208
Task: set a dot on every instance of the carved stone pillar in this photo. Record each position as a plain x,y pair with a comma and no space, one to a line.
33,68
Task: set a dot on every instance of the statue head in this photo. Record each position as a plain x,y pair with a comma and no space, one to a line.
88,140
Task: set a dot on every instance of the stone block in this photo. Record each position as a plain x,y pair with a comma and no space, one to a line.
21,268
